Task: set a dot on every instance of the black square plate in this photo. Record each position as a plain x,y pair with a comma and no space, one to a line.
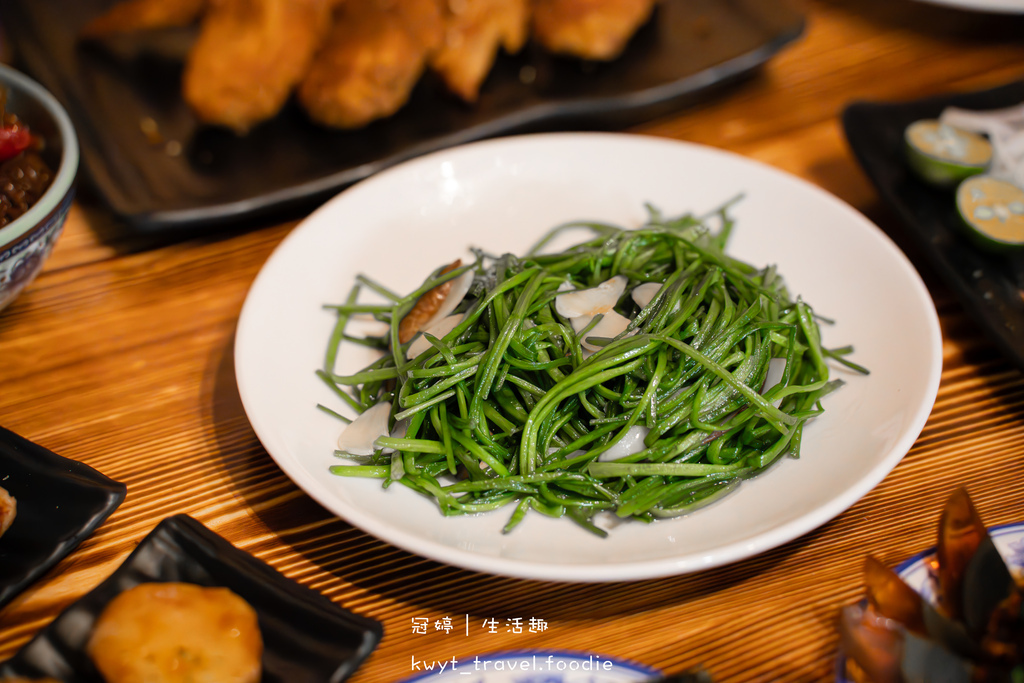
60,503
286,163
306,637
990,286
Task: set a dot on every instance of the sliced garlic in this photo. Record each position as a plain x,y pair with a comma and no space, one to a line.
359,437
600,299
399,431
631,442
460,287
611,325
776,369
645,293
570,456
438,330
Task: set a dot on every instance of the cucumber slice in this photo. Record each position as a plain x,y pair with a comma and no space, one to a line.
943,155
993,212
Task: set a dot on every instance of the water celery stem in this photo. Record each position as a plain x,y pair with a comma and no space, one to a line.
520,399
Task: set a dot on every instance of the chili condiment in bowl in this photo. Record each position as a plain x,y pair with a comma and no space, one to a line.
38,162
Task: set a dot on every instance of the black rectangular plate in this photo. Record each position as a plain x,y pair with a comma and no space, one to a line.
60,502
990,286
688,48
306,637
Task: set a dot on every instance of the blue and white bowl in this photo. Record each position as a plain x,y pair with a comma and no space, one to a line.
26,242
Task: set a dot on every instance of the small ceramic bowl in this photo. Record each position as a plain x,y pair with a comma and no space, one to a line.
26,242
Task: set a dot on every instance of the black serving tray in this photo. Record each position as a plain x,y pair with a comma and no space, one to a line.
990,286
60,503
306,637
688,48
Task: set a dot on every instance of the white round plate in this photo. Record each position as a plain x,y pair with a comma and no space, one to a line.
501,195
996,6
549,666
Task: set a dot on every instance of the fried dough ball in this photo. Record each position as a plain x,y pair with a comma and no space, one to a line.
177,633
8,508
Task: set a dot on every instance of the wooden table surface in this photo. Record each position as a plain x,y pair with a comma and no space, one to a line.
120,356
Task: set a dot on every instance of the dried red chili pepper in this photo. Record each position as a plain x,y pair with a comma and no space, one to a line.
14,140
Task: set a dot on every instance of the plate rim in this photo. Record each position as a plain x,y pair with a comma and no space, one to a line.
646,569
992,6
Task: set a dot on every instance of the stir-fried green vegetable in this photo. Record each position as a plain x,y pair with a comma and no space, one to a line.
519,404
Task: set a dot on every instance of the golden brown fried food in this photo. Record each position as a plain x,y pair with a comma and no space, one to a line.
371,60
590,29
8,509
142,15
424,19
249,56
177,633
474,30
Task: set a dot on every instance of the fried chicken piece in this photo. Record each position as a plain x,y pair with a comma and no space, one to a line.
371,60
249,56
424,19
474,30
590,29
177,633
8,509
143,15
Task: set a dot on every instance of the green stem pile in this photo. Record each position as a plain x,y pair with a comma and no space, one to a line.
508,408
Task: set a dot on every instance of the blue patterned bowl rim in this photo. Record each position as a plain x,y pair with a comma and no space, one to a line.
68,162
996,531
1015,562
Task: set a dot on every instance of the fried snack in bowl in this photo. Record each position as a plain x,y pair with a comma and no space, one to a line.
8,509
351,62
177,633
249,56
372,58
589,29
474,31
